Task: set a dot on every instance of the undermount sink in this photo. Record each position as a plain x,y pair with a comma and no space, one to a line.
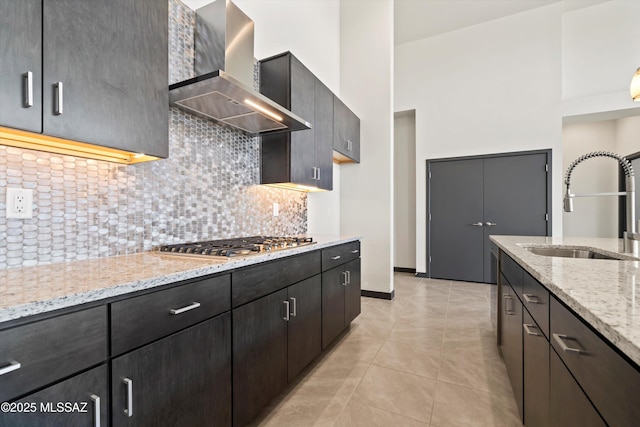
570,253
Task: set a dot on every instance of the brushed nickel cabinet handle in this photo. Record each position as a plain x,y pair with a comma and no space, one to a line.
335,257
527,328
193,306
344,276
355,251
27,85
560,340
531,299
129,409
295,306
96,410
59,98
12,366
348,277
286,310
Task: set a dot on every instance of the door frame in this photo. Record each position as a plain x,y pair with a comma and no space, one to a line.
548,152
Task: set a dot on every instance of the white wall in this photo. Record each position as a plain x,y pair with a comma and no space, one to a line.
600,53
628,138
404,200
592,216
494,87
366,85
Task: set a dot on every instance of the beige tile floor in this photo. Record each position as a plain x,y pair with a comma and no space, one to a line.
427,358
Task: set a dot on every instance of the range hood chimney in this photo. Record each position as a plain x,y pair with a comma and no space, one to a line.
222,89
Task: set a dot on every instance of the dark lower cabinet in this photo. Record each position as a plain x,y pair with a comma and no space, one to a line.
569,406
181,380
535,373
259,354
352,292
511,336
333,283
82,400
305,324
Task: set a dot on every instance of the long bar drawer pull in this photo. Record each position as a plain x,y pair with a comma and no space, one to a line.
12,366
96,410
335,257
28,89
129,409
527,328
294,313
560,340
193,306
59,98
531,299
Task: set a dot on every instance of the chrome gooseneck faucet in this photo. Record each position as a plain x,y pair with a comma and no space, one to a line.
631,237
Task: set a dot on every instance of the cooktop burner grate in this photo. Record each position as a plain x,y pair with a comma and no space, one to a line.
237,246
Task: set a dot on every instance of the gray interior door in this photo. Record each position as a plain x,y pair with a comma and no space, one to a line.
470,199
455,205
515,199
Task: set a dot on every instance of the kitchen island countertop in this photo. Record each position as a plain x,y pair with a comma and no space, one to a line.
34,290
605,293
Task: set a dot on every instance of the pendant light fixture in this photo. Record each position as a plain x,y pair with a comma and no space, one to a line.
635,86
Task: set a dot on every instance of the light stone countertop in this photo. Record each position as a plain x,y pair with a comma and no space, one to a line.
605,293
33,290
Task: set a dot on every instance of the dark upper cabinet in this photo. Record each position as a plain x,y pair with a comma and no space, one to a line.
99,71
346,133
20,54
301,157
111,59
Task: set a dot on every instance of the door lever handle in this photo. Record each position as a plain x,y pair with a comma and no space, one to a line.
490,224
477,224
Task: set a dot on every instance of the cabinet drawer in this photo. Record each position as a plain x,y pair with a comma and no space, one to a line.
51,349
257,281
337,255
139,320
512,272
612,383
536,299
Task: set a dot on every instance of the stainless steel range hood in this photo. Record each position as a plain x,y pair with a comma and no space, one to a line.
222,89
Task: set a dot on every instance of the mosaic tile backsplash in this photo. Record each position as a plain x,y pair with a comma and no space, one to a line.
206,189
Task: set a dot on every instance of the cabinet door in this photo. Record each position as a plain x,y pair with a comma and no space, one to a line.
305,324
323,131
511,345
112,60
569,406
333,290
21,52
259,355
80,401
535,373
183,379
303,85
352,291
346,137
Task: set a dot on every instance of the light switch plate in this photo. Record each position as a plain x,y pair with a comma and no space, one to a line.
276,209
19,203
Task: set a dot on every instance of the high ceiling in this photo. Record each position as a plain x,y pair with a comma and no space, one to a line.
418,19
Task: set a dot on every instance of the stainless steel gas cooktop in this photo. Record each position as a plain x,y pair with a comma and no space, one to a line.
240,246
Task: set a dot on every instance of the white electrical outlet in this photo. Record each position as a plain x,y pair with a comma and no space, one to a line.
276,209
19,203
